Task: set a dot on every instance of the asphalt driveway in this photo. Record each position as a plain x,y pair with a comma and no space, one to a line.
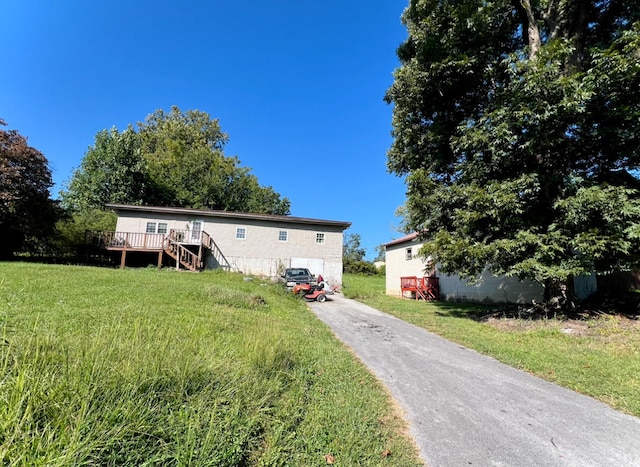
467,409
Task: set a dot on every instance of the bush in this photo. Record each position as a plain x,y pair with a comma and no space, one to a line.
71,230
360,267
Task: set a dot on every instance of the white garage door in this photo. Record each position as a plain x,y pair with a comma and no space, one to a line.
315,265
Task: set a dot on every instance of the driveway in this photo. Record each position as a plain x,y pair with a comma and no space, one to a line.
467,409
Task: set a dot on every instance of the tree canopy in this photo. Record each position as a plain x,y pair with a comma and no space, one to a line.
517,125
353,256
174,159
113,170
27,214
352,249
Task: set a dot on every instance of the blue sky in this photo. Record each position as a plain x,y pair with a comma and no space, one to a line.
297,85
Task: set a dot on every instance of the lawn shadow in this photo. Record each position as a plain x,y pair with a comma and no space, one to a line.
473,311
626,304
482,312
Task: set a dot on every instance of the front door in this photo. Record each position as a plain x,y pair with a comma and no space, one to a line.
196,231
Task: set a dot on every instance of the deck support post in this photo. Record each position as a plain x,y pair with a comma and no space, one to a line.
157,243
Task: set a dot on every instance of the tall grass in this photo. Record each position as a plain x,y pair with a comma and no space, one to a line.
147,367
360,286
598,357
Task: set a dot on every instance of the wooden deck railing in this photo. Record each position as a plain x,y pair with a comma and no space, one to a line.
174,243
187,236
425,288
125,240
217,254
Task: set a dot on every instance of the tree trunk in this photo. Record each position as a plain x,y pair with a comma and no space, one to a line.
560,295
531,29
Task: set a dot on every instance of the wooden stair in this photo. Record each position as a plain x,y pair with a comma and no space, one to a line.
422,288
182,255
218,257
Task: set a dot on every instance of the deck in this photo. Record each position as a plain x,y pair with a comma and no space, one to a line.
421,288
189,254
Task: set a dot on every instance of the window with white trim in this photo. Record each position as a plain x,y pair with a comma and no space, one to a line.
196,230
283,236
407,254
151,227
320,237
162,227
241,233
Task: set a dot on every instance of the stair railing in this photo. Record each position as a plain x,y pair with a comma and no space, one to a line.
181,254
218,255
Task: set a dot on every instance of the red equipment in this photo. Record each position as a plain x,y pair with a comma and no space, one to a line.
310,292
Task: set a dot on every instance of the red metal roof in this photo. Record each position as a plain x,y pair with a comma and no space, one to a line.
404,239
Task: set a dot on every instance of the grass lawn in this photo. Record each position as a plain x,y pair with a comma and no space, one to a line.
598,357
148,367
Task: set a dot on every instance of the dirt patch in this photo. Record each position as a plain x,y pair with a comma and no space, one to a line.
599,326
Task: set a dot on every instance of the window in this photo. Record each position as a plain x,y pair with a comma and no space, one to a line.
151,227
241,233
407,254
320,237
283,236
162,227
196,230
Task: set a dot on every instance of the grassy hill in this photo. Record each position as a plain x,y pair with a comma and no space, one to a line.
148,367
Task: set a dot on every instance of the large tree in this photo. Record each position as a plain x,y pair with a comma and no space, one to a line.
185,153
27,214
517,126
113,170
174,159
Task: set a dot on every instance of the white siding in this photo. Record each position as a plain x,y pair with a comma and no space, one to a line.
489,289
314,265
398,266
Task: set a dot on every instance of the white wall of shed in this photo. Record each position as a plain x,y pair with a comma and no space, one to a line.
397,265
490,288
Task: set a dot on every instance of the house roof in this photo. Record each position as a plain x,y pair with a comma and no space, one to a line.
230,215
404,239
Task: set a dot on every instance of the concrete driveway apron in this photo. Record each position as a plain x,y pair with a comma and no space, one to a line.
467,409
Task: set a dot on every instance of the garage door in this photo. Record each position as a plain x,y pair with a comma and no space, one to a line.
315,265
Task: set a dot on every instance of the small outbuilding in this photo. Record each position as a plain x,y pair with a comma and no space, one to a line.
405,270
402,261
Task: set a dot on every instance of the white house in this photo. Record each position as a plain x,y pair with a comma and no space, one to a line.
259,244
402,261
